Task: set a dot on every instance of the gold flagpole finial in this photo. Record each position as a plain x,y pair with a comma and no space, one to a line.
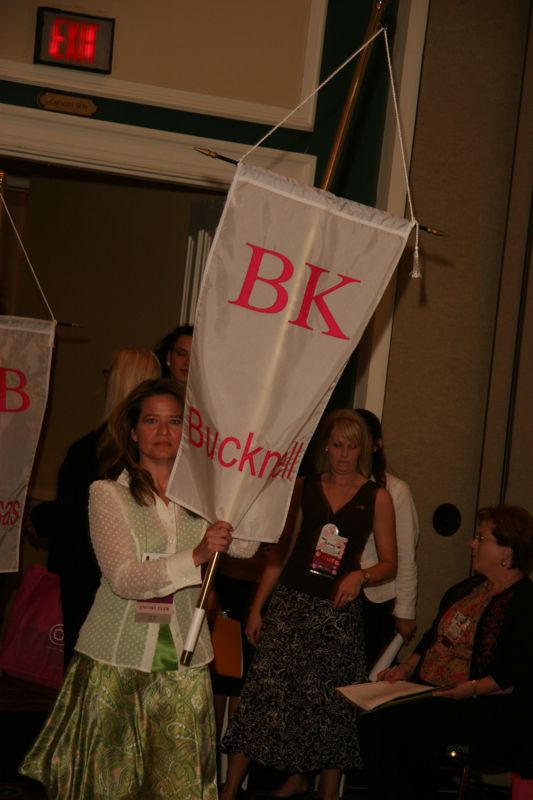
433,231
213,154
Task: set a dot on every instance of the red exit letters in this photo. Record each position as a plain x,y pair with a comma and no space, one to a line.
310,295
72,40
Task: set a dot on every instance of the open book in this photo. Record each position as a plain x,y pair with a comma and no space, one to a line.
377,694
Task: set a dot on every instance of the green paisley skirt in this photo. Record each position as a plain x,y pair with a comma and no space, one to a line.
121,734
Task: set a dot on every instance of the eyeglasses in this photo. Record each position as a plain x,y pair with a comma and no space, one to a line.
480,538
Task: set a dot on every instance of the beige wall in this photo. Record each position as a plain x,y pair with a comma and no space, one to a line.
520,477
507,467
261,54
184,45
439,372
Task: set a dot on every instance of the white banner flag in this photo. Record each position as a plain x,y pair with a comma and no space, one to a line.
25,358
292,279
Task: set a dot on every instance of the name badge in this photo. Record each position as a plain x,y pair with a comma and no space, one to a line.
156,609
456,629
328,552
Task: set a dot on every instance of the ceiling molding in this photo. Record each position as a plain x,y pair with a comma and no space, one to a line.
67,140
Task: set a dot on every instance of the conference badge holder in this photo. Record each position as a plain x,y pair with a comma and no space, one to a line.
328,552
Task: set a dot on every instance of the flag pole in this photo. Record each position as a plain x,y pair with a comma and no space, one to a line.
352,96
199,612
338,144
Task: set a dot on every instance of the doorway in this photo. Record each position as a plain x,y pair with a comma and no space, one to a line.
110,253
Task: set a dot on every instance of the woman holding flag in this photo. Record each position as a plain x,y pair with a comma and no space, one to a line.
130,720
290,718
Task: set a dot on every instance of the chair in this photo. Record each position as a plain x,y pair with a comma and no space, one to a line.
470,779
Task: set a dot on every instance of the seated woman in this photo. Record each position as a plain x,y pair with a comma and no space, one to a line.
479,647
311,640
130,721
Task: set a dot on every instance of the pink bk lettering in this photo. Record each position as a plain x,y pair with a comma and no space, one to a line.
281,295
13,398
246,455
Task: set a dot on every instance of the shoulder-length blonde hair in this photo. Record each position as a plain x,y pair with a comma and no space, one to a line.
119,452
350,424
129,367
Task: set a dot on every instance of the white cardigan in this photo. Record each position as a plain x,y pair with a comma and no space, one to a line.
121,532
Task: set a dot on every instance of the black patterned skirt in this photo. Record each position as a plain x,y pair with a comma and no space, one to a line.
290,717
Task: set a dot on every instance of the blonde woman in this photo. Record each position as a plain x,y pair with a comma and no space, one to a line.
130,366
290,718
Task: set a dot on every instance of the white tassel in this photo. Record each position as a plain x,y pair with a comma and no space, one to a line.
415,270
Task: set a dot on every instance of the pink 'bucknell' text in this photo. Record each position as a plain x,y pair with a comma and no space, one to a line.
232,453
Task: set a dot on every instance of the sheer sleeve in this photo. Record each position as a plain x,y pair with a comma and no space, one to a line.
119,554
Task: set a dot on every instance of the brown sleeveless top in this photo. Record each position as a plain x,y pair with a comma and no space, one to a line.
354,521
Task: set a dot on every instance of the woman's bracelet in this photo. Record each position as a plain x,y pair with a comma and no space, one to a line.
474,686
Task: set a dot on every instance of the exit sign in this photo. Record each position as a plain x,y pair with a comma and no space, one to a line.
77,41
